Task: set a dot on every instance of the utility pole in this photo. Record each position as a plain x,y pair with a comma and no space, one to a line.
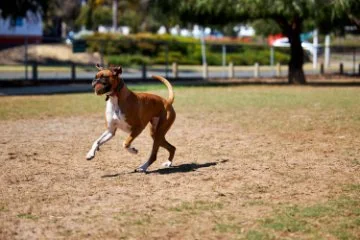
115,15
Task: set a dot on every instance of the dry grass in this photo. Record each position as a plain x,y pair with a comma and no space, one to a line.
251,163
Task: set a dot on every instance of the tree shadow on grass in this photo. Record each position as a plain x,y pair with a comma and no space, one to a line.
182,168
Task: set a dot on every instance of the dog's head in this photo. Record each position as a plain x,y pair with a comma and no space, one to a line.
107,81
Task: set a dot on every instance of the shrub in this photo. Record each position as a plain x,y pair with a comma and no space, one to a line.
128,60
149,48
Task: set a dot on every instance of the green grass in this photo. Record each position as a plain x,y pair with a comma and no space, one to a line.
279,108
225,228
27,107
256,235
27,216
275,108
197,206
3,209
339,218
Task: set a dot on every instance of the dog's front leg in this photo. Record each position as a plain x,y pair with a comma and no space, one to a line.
106,136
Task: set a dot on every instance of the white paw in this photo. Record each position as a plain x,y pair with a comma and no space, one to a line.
140,169
167,164
90,155
132,150
143,167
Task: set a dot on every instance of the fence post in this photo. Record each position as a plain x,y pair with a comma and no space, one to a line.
175,70
272,56
341,68
354,61
256,70
327,51
205,71
322,68
34,71
143,71
315,44
167,60
231,70
102,43
26,56
224,59
73,71
278,70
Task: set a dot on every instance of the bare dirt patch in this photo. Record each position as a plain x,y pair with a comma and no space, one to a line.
225,177
44,53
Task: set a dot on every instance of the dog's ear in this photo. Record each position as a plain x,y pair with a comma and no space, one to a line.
99,67
116,70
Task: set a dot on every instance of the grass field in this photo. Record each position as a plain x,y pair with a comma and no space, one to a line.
252,162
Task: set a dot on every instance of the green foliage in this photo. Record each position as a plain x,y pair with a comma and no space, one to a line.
128,60
19,8
102,16
266,27
151,49
132,19
289,15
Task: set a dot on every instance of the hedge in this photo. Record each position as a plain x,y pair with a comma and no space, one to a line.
151,49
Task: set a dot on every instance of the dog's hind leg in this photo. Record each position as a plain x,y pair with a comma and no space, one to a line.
129,139
171,149
163,128
151,159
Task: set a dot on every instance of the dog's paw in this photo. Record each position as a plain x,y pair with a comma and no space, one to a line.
140,170
167,164
90,156
132,150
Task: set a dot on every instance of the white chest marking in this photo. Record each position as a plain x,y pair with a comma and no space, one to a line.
114,116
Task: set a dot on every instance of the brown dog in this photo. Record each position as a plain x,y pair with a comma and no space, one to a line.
131,112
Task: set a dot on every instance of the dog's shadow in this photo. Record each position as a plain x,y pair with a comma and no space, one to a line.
182,168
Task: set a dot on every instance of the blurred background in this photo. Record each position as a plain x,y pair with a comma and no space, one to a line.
63,39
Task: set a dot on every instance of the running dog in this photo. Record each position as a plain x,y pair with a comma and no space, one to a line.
131,112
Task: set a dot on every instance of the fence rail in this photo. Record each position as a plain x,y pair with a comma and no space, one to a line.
342,60
72,73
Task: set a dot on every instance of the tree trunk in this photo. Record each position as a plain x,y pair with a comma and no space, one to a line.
115,7
296,72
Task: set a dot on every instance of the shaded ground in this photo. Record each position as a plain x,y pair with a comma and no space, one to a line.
231,169
46,53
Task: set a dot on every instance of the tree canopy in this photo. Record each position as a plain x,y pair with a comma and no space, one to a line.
290,15
19,8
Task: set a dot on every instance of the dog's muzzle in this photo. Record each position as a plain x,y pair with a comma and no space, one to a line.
98,80
106,89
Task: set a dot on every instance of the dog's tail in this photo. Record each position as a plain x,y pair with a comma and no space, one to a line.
169,87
